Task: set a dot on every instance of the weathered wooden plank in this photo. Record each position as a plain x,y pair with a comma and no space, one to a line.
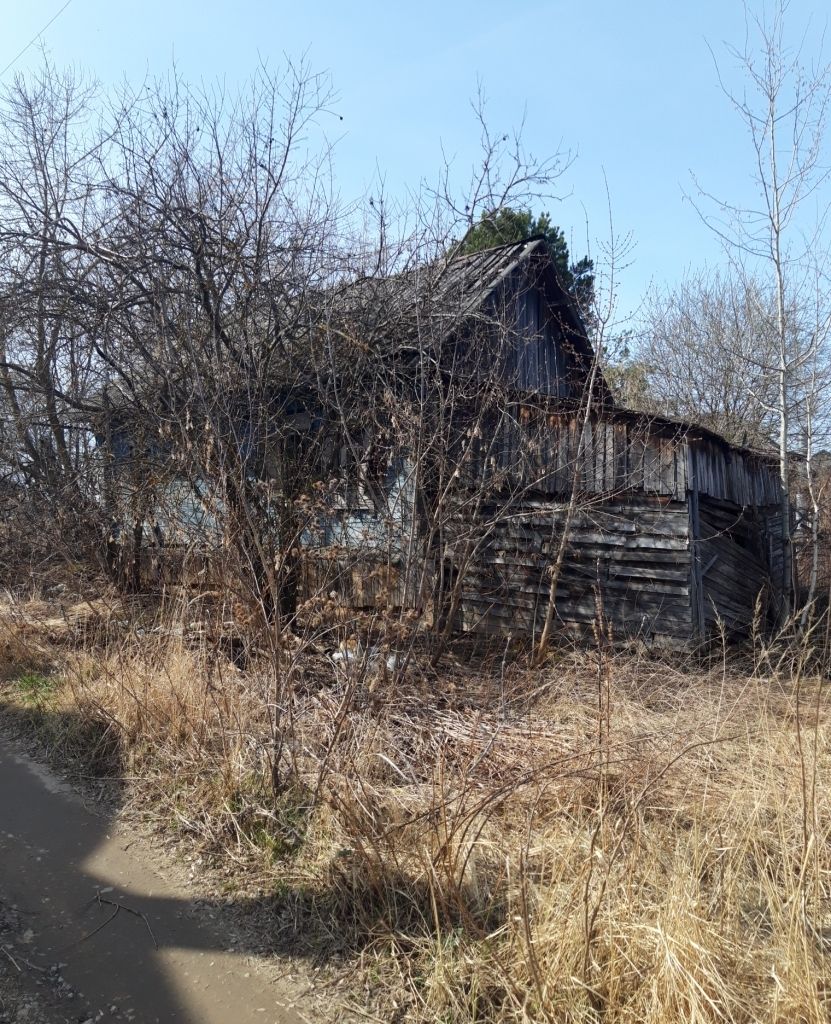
651,468
666,459
644,542
637,448
621,451
584,607
649,572
609,458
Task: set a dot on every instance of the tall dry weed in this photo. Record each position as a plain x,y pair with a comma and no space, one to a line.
615,836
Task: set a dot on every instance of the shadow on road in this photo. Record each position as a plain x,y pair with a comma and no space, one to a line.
87,900
83,911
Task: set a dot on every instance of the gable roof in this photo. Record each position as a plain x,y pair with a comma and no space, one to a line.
444,294
450,291
393,313
476,276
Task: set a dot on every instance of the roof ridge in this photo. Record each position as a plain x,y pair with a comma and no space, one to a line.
539,237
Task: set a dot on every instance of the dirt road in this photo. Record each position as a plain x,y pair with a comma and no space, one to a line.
90,932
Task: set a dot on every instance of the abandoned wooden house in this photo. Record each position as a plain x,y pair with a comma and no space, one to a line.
668,528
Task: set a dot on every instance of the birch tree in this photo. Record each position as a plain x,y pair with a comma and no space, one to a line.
782,104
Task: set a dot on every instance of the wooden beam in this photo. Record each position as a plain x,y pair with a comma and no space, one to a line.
697,576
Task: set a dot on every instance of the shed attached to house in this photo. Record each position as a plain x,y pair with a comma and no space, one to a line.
672,530
495,460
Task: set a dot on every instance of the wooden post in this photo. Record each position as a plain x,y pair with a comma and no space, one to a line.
135,578
696,575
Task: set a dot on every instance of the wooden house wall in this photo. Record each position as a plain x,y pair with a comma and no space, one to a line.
629,562
633,547
364,549
676,529
356,579
540,362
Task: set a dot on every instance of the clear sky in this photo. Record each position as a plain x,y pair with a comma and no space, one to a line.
630,88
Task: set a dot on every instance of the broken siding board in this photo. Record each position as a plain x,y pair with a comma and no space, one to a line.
722,597
573,450
730,558
644,543
620,557
619,570
550,481
734,582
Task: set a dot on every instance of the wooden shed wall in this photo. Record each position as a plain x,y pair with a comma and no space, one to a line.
732,474
538,450
739,555
629,560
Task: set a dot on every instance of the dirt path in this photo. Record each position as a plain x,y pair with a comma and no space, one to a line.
90,932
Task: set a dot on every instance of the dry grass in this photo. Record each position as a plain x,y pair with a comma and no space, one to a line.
609,837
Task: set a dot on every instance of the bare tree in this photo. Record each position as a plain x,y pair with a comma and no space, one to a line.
812,436
706,352
49,150
252,371
783,105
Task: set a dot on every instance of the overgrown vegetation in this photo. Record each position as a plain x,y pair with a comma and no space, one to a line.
268,446
625,838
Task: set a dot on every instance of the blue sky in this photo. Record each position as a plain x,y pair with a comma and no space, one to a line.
629,88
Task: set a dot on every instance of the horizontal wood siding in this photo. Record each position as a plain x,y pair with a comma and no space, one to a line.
629,561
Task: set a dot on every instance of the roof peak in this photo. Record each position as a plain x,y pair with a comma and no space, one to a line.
512,244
